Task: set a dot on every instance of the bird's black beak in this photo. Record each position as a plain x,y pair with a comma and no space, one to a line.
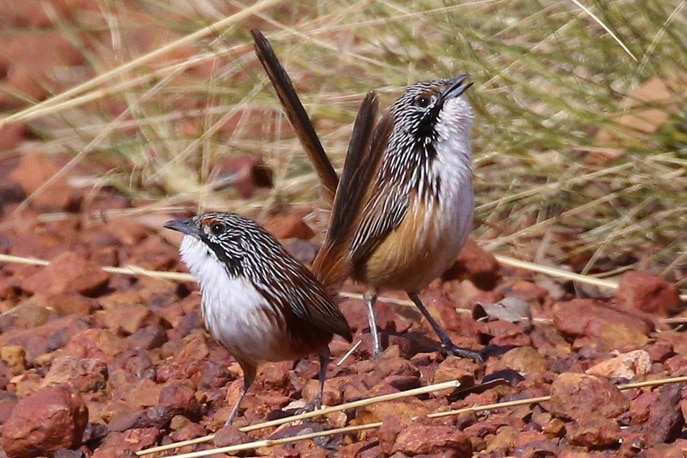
183,225
456,87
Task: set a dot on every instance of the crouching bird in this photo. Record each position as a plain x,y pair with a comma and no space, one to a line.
258,301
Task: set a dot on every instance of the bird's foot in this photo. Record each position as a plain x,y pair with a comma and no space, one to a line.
452,349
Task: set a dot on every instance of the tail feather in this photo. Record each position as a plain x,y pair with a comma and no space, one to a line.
333,263
297,115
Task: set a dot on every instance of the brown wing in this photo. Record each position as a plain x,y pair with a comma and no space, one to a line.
334,262
298,117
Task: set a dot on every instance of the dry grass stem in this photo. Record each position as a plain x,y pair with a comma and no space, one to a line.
351,429
37,110
505,260
318,413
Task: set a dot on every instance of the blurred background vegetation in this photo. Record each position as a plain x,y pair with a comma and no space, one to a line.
580,139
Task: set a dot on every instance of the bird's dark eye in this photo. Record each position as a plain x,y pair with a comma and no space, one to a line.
422,101
217,228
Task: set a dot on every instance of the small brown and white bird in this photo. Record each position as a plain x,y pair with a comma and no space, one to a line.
404,205
258,301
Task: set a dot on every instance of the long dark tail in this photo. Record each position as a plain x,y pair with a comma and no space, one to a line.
299,119
333,263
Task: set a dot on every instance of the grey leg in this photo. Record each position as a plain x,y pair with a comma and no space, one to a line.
249,372
370,299
324,362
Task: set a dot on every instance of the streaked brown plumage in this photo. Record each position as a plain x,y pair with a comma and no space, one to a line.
258,301
404,205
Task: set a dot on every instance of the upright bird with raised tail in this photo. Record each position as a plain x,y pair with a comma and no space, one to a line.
404,205
258,301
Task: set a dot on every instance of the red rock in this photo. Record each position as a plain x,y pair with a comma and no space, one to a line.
148,338
68,272
389,431
594,432
403,382
154,254
534,449
526,360
534,443
24,74
389,364
45,422
576,396
95,343
129,367
137,396
128,231
331,395
288,226
11,135
659,351
579,452
181,399
641,405
83,375
503,440
33,14
677,341
7,403
508,334
36,169
229,435
151,417
26,315
528,291
599,326
309,448
187,432
476,264
455,368
424,439
676,366
123,444
641,291
357,449
383,411
65,303
674,450
665,416
631,443
126,319
44,338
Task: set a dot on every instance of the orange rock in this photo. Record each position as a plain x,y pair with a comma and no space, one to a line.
601,327
641,291
34,170
594,432
578,396
288,226
52,419
81,374
524,359
68,272
419,439
476,264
